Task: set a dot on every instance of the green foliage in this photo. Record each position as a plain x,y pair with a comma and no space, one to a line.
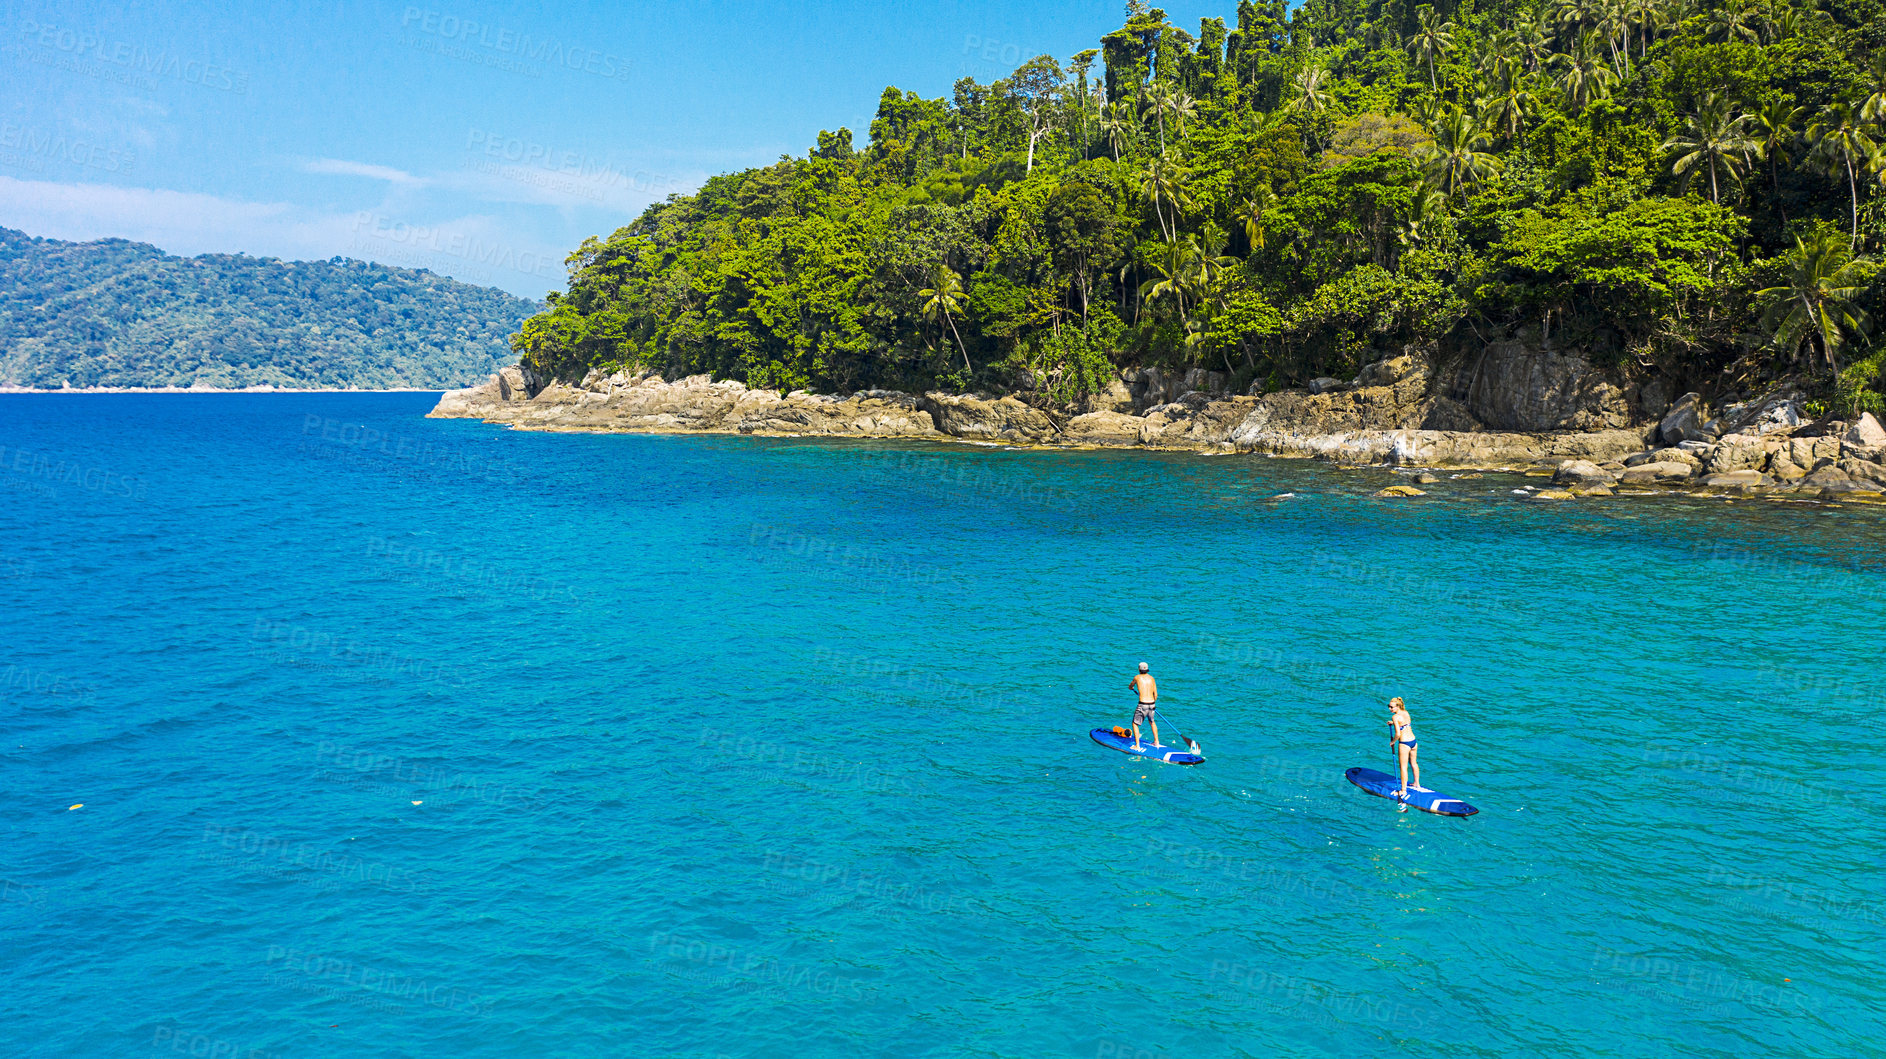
117,313
1625,171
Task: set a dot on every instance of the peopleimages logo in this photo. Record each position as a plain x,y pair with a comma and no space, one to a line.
511,42
136,58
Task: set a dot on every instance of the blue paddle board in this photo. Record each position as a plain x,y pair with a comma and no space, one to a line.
1382,785
1145,748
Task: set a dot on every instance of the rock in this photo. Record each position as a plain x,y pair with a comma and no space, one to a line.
513,385
1592,490
468,403
1152,387
1524,384
1582,472
1782,469
1824,477
1401,490
1812,452
1779,412
1105,428
981,419
1863,470
1425,478
1735,479
1552,494
1325,385
1685,421
1115,398
1389,371
1637,458
1645,473
1865,434
1736,452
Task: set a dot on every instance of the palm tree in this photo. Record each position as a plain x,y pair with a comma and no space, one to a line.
1712,139
1164,101
1773,125
1435,37
1508,108
1733,23
1429,205
1529,43
1164,182
1782,23
1614,21
1116,124
944,297
1252,214
1840,141
1818,303
1455,158
1583,75
1310,98
1874,108
1648,15
1174,262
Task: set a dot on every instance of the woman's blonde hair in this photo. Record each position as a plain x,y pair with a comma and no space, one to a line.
1395,702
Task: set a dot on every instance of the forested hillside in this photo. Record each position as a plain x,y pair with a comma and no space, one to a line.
1683,188
117,313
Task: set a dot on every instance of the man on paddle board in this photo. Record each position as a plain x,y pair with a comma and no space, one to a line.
1148,690
1402,735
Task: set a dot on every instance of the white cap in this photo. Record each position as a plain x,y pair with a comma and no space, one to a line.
1143,667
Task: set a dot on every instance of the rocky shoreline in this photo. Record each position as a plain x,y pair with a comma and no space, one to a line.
1391,415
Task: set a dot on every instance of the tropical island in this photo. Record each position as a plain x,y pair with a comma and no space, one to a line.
123,315
1591,230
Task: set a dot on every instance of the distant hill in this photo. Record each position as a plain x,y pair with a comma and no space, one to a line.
118,313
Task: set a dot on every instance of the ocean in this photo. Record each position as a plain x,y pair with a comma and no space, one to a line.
404,737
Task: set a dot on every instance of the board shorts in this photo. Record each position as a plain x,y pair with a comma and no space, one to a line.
1144,714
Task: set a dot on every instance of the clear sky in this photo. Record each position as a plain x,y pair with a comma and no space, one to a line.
480,140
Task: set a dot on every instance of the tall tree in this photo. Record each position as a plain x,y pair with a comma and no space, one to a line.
1036,87
1457,157
1435,36
1714,140
1840,140
944,297
1819,305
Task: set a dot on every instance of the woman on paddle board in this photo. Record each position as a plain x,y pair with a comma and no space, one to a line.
1402,734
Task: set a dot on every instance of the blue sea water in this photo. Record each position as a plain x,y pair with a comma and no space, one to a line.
404,737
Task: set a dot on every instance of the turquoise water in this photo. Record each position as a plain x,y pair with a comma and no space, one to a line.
734,747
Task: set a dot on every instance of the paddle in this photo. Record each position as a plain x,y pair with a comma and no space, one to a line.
1394,747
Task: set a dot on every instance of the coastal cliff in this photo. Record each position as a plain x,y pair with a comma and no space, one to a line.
1395,413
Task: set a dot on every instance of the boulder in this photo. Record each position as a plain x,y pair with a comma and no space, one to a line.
1583,472
1685,421
1824,477
1863,470
514,385
1325,385
1737,452
1646,473
1782,469
1105,428
1592,490
1425,478
1389,371
1866,433
1115,398
1778,412
1524,383
1735,479
982,419
1552,494
1401,490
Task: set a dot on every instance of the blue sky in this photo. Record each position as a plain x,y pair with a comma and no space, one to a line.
482,141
